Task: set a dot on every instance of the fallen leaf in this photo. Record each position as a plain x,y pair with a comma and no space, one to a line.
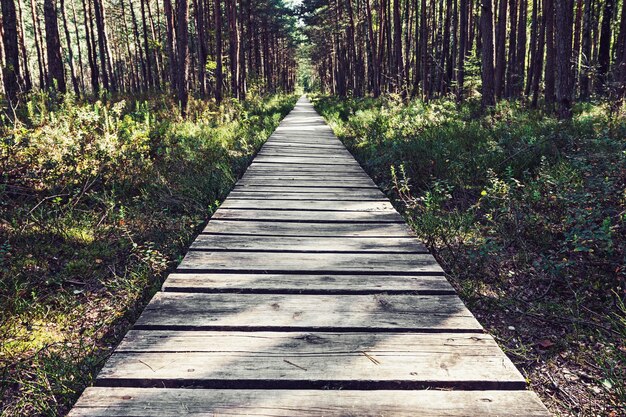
545,343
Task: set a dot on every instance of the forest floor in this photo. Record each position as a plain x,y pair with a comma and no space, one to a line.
527,215
98,201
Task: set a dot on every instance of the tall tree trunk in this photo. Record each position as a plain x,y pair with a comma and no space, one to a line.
538,61
91,47
202,50
565,11
28,84
604,52
487,73
511,70
56,73
182,46
146,44
80,51
462,49
38,41
11,70
577,37
520,56
397,46
586,58
233,46
374,65
169,46
104,53
70,53
218,52
500,67
548,15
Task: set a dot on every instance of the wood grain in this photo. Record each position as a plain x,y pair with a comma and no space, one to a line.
373,313
354,263
149,402
260,228
307,284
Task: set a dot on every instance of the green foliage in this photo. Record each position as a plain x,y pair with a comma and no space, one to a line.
97,201
524,211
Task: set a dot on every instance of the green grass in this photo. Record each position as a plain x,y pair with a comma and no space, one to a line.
97,201
526,213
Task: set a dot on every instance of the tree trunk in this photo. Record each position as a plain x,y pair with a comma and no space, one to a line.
604,52
56,74
28,84
182,46
548,15
99,17
70,54
511,70
500,67
91,47
586,52
11,70
565,11
38,40
462,49
218,52
487,73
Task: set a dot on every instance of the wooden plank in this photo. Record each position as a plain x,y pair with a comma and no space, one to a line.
281,312
259,228
150,402
310,216
335,205
295,194
260,159
321,177
308,244
310,183
327,169
310,360
307,284
355,263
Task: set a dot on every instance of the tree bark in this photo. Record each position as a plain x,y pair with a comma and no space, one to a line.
11,70
565,11
487,73
56,73
182,46
500,67
218,52
70,53
548,15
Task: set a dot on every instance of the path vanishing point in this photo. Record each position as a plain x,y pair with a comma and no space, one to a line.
307,295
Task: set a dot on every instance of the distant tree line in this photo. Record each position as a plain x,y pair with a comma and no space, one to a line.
550,50
212,48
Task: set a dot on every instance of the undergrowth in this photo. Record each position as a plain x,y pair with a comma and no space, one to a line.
97,201
527,214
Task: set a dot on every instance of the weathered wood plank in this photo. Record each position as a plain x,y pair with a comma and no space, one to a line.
254,227
373,313
355,263
310,360
150,402
308,244
307,284
295,194
336,205
310,216
307,183
260,159
302,177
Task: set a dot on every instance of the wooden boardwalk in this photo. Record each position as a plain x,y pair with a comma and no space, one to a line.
307,295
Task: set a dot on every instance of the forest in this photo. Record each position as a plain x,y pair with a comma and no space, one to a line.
497,128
